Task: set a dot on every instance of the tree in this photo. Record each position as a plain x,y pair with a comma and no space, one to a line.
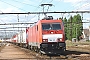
69,28
73,27
65,25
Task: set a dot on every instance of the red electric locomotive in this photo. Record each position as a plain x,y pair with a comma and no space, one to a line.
47,36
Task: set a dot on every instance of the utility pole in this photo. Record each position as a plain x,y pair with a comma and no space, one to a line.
5,36
18,21
71,27
76,33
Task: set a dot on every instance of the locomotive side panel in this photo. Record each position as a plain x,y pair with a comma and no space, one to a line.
34,36
30,36
39,34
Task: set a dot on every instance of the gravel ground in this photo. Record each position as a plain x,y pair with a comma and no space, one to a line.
79,50
74,52
13,52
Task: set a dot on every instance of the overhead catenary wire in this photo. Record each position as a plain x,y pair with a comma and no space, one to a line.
49,12
13,5
16,6
13,27
38,8
40,2
6,31
9,30
52,0
1,19
24,3
5,16
31,23
9,4
83,6
19,2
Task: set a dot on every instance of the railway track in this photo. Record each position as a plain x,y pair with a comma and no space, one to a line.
38,56
73,53
65,56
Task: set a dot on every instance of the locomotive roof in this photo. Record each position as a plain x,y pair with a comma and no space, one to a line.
49,21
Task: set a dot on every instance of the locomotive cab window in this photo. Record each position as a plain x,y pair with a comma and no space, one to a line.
37,27
51,26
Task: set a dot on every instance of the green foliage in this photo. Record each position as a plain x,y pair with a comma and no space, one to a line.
73,27
65,25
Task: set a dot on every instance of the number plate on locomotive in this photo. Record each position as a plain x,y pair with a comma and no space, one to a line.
51,40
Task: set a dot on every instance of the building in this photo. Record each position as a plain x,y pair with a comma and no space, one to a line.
86,35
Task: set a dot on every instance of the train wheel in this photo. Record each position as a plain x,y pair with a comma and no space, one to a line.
28,47
34,49
37,50
31,48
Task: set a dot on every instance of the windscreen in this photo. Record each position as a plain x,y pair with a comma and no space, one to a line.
51,26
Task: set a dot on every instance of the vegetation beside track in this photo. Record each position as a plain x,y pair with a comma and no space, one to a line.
70,43
78,46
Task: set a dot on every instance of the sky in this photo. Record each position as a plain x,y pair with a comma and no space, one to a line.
10,6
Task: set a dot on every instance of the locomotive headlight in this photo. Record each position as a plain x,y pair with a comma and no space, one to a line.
59,39
45,40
